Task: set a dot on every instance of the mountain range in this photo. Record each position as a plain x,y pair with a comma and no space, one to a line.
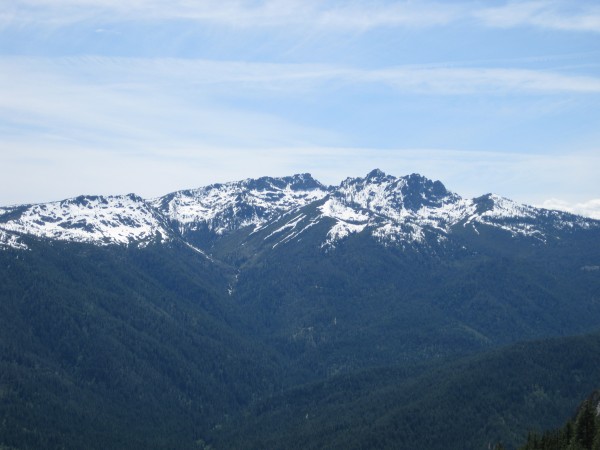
393,210
228,316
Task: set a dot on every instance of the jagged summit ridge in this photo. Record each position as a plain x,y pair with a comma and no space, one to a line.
222,208
391,196
393,210
414,209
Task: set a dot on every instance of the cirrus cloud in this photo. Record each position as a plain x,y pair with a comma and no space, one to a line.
329,14
566,16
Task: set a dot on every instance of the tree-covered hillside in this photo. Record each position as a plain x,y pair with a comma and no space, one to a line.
362,304
471,403
120,348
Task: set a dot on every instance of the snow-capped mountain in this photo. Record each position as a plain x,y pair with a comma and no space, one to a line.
393,210
222,208
413,209
92,219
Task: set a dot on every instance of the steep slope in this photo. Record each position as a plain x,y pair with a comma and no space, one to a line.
335,305
363,304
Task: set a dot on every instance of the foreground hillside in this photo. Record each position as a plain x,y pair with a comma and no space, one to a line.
470,403
581,432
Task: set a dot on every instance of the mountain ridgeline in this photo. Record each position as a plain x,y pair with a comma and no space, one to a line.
408,210
282,313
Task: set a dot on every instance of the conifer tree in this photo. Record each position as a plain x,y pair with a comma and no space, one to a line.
585,426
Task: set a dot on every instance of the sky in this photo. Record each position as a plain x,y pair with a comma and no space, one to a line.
152,96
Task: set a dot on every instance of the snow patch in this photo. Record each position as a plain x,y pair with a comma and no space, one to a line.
9,240
289,225
341,230
335,209
202,252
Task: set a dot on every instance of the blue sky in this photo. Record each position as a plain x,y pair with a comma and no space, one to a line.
151,96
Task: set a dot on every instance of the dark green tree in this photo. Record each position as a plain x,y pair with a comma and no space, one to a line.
585,426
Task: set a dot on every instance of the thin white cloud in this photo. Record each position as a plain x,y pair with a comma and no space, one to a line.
143,106
590,208
156,125
134,104
140,99
481,80
557,15
243,78
237,13
331,15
